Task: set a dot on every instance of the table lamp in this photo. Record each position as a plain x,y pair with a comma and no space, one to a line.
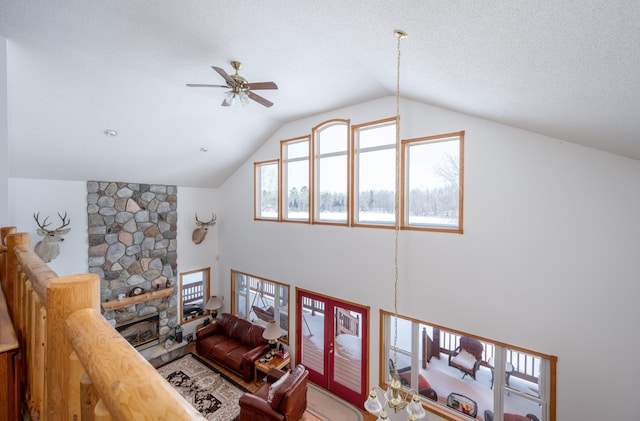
272,333
213,305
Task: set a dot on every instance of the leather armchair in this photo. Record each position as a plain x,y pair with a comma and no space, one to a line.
288,403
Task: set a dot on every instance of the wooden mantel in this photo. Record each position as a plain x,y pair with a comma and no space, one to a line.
129,301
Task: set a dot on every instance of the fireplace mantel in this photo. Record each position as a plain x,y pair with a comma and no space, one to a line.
129,301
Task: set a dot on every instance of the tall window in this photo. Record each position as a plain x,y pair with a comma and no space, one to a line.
468,375
295,179
266,194
351,179
330,144
261,300
433,169
375,173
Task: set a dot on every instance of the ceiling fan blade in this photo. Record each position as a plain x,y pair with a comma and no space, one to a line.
225,76
260,100
200,85
262,85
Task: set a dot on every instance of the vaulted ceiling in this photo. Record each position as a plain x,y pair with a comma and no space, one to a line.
567,69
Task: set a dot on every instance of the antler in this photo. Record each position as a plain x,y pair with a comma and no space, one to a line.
44,223
213,219
64,224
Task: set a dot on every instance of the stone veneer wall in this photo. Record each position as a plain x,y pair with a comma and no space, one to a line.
132,243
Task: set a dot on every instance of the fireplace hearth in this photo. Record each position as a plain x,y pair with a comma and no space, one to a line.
141,333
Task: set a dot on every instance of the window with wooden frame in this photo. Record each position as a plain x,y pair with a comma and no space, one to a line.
330,172
194,293
432,182
266,190
351,180
460,375
260,300
294,155
374,173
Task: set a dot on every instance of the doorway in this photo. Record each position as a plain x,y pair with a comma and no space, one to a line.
332,337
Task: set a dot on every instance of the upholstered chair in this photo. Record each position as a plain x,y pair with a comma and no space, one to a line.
467,356
282,397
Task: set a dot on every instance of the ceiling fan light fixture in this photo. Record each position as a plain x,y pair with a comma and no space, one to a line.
230,98
244,99
238,87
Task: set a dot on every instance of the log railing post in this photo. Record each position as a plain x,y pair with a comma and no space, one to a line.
73,387
88,398
4,232
13,267
65,295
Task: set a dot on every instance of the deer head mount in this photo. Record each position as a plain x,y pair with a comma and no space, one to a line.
201,232
48,248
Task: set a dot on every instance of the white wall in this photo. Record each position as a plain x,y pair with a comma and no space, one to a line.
4,140
549,258
28,196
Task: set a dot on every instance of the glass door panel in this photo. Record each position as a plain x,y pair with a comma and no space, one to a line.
332,344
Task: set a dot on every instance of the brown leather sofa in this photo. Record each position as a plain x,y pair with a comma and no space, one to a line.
234,343
288,402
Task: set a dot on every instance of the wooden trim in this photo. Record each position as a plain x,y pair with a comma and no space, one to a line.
129,301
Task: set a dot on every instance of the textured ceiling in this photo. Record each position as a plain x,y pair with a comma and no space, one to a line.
567,69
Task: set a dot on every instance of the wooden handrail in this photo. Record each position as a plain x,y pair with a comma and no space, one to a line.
129,386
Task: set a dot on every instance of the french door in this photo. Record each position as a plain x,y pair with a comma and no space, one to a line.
331,342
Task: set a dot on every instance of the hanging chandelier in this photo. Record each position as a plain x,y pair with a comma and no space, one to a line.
394,399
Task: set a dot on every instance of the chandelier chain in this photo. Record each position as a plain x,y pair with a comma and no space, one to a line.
400,36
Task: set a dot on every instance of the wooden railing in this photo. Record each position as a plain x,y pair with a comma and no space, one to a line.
347,323
74,364
193,292
525,366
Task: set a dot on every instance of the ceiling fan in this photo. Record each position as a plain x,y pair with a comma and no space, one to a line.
239,87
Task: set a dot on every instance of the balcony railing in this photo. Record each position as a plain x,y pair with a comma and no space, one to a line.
74,365
525,366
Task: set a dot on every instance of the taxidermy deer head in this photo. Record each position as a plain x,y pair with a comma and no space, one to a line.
201,232
48,248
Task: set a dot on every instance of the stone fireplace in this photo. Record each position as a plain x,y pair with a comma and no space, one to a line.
141,333
132,232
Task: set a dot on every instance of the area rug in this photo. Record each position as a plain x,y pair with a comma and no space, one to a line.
213,394
328,407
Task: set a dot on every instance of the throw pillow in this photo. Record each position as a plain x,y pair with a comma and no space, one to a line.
275,386
465,359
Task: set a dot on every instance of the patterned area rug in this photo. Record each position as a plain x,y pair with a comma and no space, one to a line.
210,392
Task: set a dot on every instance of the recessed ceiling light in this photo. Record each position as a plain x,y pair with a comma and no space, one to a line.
204,149
110,132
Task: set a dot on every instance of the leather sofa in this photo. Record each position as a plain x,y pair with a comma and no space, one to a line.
282,399
234,343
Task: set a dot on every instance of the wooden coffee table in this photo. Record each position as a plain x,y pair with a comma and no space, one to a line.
264,367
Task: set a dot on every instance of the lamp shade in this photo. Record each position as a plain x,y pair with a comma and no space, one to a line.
272,331
214,303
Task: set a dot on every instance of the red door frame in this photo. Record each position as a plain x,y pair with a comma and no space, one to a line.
326,380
